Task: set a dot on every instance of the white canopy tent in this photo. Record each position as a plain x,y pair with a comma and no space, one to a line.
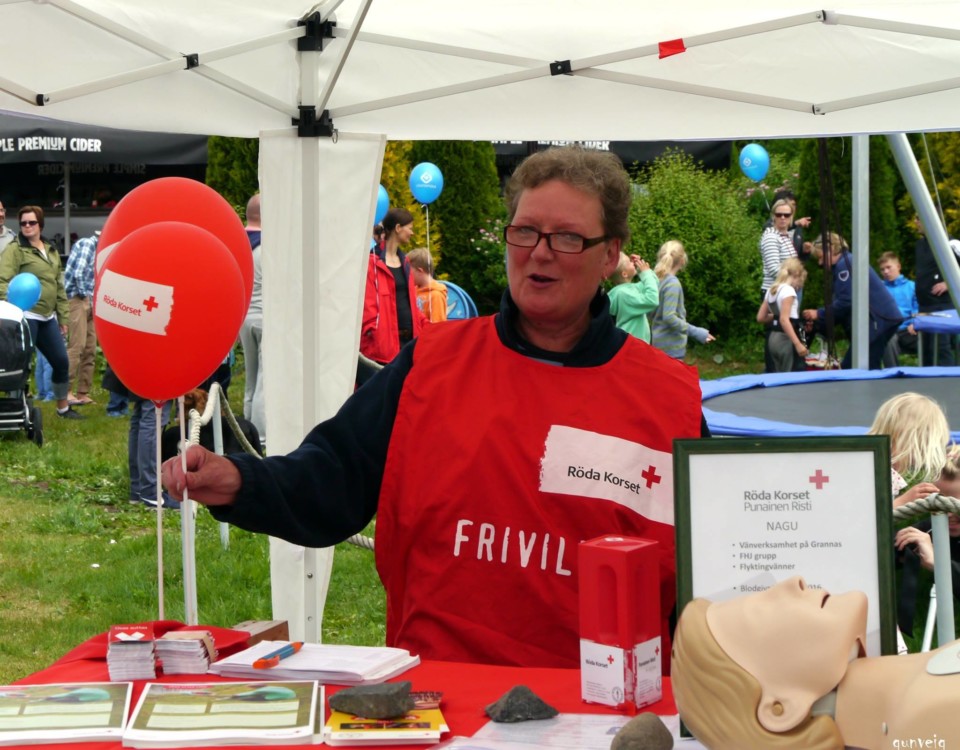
413,69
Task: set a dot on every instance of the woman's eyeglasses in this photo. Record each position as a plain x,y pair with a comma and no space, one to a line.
29,223
783,216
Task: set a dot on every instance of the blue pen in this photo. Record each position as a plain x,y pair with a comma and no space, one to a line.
274,657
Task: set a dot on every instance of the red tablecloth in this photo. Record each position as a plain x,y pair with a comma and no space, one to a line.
467,688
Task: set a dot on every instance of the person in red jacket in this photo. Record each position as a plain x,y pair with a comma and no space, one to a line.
542,433
391,317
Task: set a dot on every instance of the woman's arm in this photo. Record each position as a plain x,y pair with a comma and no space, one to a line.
764,314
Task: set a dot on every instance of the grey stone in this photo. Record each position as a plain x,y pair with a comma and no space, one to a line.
643,732
520,703
386,701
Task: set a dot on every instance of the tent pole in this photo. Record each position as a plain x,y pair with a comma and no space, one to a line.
860,336
936,234
66,208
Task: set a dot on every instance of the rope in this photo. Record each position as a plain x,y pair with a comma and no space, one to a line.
932,503
197,421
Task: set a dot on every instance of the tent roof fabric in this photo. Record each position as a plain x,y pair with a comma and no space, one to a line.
688,70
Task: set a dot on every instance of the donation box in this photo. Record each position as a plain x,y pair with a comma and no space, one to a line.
620,658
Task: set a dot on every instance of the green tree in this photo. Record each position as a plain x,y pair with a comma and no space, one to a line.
678,199
232,165
470,199
394,176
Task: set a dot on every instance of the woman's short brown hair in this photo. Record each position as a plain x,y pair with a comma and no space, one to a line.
36,210
598,173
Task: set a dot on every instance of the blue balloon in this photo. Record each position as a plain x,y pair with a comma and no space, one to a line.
754,161
23,291
383,205
426,182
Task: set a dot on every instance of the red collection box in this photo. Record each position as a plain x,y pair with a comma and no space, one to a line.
620,658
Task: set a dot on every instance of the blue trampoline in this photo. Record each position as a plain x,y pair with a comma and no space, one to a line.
830,402
459,304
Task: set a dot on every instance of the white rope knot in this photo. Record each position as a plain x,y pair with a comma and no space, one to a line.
932,503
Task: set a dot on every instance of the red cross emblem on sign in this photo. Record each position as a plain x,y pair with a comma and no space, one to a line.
651,476
151,303
819,479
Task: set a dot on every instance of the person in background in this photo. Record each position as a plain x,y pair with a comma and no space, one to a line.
904,293
251,332
142,444
7,235
483,567
391,317
634,295
670,328
933,295
916,546
431,294
885,316
776,246
82,350
919,434
47,319
787,342
43,375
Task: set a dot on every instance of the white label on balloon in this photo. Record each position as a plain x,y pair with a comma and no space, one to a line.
103,253
134,303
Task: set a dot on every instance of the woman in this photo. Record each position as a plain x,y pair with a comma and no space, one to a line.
391,317
779,669
787,342
670,328
539,437
776,244
30,253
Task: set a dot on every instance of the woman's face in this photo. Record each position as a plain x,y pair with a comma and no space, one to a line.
795,640
782,217
29,225
555,289
404,233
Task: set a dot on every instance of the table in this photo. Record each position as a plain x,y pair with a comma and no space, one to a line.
942,321
467,688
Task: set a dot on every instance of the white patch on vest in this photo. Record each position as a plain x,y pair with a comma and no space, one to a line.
134,303
843,276
588,464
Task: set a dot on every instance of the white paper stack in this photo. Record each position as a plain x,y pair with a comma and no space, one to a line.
186,651
327,663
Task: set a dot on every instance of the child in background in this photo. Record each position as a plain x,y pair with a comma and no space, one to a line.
669,326
904,293
780,308
431,294
919,435
634,295
917,546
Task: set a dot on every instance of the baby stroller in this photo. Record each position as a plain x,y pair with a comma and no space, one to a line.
16,352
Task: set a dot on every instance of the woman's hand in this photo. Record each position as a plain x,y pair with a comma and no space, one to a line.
800,349
921,541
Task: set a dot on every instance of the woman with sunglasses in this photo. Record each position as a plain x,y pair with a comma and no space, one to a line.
47,319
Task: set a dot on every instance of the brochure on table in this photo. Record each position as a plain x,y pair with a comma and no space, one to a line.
340,665
420,726
750,513
204,714
65,712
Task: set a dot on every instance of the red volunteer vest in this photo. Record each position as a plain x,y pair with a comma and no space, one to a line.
498,466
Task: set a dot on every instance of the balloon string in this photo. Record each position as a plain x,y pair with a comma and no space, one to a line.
158,412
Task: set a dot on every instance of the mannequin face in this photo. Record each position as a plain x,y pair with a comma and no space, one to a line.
796,641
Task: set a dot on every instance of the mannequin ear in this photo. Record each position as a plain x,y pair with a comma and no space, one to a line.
780,713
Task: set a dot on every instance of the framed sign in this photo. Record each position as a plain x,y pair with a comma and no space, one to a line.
753,512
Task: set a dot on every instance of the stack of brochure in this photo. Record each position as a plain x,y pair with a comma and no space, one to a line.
339,665
186,651
417,727
131,653
65,712
206,714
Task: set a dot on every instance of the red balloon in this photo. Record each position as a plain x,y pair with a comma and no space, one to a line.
167,308
180,199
